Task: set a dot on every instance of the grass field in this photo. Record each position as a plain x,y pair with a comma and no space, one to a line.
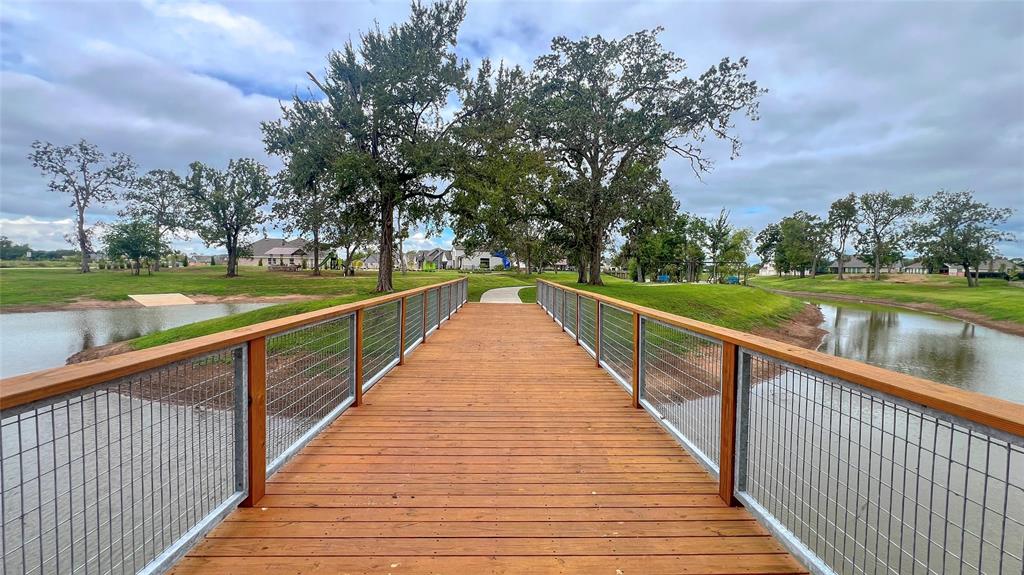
994,299
737,307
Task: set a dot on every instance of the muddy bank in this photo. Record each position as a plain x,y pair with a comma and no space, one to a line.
802,329
1010,327
87,303
101,351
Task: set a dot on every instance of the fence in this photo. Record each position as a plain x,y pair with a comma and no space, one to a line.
856,469
118,465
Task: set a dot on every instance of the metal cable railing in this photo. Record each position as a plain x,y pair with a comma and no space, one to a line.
431,310
570,314
107,478
854,468
381,346
443,307
310,380
120,464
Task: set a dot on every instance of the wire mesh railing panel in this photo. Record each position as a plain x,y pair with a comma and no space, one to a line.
617,341
413,319
588,322
381,338
109,478
431,309
570,313
873,484
444,303
454,300
309,375
682,382
556,303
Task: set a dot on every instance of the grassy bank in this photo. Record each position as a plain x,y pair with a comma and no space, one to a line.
478,283
994,299
736,307
41,287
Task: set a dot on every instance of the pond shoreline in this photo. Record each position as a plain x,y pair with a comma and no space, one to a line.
1005,326
88,303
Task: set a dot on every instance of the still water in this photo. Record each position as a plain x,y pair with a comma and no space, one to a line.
39,340
931,346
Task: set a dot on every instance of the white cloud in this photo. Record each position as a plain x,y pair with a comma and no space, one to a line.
242,29
41,234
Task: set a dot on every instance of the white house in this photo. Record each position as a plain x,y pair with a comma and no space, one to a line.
914,267
463,260
279,251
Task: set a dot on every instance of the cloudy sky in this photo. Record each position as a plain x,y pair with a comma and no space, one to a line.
909,97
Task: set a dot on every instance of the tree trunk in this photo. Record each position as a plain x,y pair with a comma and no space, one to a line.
581,267
83,241
232,258
596,249
316,252
878,263
387,239
814,266
529,259
839,262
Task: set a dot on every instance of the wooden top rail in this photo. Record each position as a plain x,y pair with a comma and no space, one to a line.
22,389
997,413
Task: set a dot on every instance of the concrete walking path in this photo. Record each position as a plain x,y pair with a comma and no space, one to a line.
502,295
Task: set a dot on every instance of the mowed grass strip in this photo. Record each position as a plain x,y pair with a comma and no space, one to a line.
994,298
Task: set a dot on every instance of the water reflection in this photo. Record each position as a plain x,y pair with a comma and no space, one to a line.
33,341
934,347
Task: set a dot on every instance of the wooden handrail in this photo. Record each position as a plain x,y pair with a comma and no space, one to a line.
993,412
22,389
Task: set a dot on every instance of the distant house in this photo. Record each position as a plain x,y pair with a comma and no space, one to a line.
996,268
855,265
279,251
371,262
418,260
914,267
463,260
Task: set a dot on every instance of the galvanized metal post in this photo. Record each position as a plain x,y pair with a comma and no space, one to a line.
576,331
401,336
241,417
742,421
597,332
637,334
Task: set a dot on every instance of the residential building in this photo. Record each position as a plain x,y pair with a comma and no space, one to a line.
855,265
279,251
371,262
914,267
998,267
485,260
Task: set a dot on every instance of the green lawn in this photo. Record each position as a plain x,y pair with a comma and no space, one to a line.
995,299
732,306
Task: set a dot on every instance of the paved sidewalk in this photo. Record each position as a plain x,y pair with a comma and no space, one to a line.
502,295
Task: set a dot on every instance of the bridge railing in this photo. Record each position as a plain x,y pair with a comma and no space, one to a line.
855,468
118,465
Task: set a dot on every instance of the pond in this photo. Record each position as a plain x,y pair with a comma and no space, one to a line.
930,346
40,340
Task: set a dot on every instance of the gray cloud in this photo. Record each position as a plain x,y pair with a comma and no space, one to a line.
912,97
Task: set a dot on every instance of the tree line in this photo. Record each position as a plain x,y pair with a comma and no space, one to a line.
399,132
948,227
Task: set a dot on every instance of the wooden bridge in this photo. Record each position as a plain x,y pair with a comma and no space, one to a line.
416,433
498,447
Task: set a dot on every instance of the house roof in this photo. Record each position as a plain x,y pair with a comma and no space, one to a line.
852,262
371,259
285,251
263,247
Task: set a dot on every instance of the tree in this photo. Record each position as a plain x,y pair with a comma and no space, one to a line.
768,242
608,111
885,221
796,249
643,222
842,223
88,176
158,198
10,250
224,207
134,240
961,230
391,99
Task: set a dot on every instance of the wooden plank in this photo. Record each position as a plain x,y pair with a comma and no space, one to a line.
661,565
256,377
543,466
727,451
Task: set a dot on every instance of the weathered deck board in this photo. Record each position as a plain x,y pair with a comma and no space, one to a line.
498,447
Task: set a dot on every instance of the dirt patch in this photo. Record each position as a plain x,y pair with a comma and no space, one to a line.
101,351
87,303
1005,326
802,329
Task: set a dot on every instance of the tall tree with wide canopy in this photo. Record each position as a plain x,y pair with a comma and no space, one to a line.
961,230
608,111
158,198
225,207
885,222
842,223
86,174
391,97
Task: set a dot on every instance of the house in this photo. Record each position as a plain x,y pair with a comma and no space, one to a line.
997,268
463,260
285,252
769,269
371,262
855,265
418,260
914,267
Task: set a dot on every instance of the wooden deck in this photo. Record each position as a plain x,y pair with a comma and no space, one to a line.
499,447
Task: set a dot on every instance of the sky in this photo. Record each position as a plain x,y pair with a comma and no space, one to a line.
908,97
